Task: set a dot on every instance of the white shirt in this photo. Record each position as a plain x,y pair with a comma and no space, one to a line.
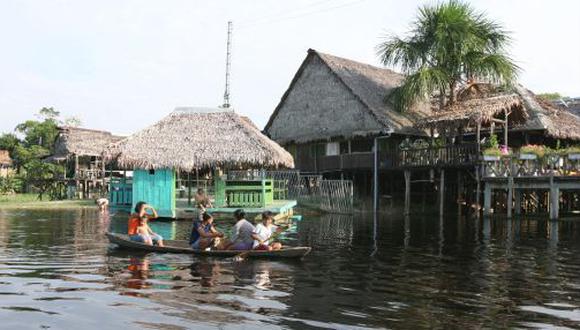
243,230
264,233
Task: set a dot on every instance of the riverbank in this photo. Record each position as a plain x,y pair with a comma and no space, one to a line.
31,201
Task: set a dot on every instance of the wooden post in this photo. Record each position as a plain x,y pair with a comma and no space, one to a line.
517,201
477,190
505,133
407,174
509,201
478,137
441,192
554,200
189,188
487,199
77,176
376,176
459,192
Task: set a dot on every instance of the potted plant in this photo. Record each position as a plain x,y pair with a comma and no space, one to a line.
573,152
532,151
491,154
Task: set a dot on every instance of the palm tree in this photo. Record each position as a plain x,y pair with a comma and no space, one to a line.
449,45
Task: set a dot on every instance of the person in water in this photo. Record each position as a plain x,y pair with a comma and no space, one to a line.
242,232
263,233
135,220
204,234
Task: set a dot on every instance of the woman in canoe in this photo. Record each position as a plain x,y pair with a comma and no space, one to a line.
242,232
204,234
264,232
135,220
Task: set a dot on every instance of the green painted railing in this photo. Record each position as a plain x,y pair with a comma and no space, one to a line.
244,193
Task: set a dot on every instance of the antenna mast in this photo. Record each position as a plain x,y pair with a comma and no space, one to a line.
228,66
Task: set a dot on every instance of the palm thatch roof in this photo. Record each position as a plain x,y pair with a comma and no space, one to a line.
196,138
5,158
469,112
76,141
314,94
528,113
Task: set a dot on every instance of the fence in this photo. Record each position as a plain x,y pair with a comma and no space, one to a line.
334,196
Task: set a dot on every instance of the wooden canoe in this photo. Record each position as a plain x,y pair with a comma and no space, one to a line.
176,246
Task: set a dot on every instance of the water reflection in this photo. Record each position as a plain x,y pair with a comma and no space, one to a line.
57,270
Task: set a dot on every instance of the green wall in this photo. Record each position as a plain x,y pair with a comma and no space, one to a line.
157,188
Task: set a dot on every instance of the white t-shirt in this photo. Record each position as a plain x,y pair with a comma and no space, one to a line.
264,233
242,232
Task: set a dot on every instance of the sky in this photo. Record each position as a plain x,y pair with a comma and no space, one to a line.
121,65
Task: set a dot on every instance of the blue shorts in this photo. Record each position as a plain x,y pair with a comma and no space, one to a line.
139,238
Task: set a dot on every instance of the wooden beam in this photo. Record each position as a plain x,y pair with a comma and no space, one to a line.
441,192
407,174
487,199
505,133
509,200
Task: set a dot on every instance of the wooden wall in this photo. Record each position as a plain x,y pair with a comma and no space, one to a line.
157,188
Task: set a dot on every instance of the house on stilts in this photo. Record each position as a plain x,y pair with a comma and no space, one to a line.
80,151
194,143
335,119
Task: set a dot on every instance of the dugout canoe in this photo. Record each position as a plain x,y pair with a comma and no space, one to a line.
178,246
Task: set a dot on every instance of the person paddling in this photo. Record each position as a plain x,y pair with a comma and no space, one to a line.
263,233
204,233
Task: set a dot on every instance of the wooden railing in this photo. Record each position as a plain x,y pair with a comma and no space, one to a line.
452,155
515,166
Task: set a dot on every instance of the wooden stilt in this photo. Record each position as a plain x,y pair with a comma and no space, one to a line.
188,188
459,193
554,200
487,200
517,202
477,191
441,192
407,191
509,200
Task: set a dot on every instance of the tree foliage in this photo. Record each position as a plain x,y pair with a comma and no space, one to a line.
450,44
34,140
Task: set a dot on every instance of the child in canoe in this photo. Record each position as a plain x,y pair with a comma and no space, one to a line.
263,234
147,235
204,234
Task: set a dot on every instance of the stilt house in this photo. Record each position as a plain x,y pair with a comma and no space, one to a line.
195,139
80,151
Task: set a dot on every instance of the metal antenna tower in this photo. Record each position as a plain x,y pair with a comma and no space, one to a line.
228,66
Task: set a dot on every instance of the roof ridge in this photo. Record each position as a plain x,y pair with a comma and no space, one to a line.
372,110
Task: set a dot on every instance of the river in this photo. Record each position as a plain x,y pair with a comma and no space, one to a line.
57,271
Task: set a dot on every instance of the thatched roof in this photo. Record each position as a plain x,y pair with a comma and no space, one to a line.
81,142
469,112
5,158
555,122
191,138
528,113
368,85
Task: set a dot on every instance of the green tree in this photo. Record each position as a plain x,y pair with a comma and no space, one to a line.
450,44
9,141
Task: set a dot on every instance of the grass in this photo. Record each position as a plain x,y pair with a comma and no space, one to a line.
31,201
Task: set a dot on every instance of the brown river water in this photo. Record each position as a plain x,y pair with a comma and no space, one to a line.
58,271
